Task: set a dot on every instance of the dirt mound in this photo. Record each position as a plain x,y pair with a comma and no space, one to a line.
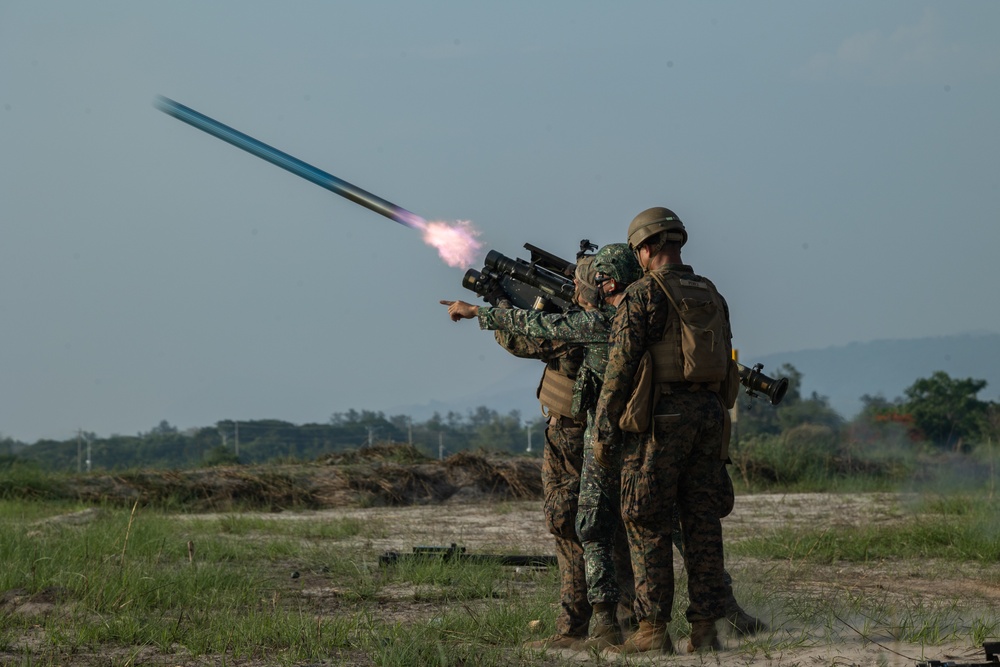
384,475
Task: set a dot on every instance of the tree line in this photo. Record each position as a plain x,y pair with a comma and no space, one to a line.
936,413
263,440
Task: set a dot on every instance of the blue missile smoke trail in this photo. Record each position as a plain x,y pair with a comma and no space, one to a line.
290,163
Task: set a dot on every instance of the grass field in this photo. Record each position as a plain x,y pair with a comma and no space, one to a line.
843,579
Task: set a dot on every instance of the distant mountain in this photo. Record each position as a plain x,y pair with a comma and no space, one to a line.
842,374
888,367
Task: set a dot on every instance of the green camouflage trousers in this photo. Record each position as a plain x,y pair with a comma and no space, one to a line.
602,534
561,465
676,468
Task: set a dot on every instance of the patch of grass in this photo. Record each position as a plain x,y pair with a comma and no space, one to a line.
129,580
949,528
305,528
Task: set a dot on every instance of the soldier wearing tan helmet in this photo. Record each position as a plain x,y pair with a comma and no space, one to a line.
669,453
665,223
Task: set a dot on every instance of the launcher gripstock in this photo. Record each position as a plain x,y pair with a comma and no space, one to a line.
992,650
545,282
455,553
755,381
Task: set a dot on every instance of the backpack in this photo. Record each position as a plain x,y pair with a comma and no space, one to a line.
705,337
705,340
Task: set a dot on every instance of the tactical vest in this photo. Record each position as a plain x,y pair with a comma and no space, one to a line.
696,341
555,393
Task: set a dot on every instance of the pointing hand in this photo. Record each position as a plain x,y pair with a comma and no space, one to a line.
460,310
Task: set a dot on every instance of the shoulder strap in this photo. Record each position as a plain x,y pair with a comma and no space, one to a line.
659,280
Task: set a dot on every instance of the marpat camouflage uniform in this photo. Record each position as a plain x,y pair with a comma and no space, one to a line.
677,464
598,522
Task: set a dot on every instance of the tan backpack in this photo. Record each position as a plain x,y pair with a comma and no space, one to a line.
705,338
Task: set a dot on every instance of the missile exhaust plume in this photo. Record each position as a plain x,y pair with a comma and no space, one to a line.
456,243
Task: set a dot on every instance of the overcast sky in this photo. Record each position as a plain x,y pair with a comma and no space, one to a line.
836,165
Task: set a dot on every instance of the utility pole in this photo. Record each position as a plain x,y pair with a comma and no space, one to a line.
440,446
236,426
734,414
88,452
79,456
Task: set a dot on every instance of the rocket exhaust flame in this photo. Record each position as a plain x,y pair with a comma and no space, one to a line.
456,243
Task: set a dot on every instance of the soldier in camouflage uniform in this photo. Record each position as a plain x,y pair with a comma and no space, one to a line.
675,463
562,460
609,574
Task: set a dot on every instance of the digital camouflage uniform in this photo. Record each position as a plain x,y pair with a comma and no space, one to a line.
561,463
675,465
598,524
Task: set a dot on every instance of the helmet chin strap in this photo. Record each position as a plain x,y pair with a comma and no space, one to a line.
600,279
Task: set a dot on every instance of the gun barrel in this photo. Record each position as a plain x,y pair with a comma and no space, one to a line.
288,162
754,380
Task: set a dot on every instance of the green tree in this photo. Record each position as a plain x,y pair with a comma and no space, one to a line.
814,410
947,410
492,431
220,456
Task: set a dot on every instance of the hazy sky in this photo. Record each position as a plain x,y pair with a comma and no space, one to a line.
837,166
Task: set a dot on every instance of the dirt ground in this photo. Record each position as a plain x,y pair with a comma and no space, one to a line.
490,506
485,527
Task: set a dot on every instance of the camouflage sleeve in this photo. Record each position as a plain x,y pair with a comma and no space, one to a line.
530,348
628,343
576,326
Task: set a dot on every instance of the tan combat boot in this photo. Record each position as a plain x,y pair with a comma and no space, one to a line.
651,636
627,622
704,637
604,631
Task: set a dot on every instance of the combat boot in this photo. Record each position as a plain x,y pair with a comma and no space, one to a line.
651,636
555,641
604,631
704,637
627,622
743,623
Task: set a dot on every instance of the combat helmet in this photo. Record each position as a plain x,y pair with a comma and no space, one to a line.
652,221
617,261
587,289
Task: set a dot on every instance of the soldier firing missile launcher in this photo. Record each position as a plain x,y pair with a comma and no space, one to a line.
546,283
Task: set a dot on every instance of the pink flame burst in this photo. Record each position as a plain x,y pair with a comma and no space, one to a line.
456,242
